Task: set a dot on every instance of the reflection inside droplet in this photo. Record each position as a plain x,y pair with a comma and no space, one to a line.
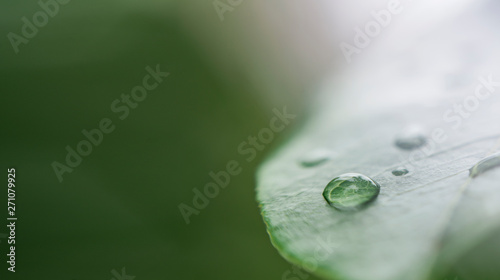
351,191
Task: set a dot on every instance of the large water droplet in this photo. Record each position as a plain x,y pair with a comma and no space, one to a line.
315,158
351,191
485,165
411,138
400,171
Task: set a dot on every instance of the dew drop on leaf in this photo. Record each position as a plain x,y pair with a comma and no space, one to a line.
351,191
315,158
400,171
411,139
485,165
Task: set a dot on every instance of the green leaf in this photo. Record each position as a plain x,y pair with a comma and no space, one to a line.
432,221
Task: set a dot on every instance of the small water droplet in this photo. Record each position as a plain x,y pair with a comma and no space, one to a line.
410,139
315,158
400,171
351,191
485,165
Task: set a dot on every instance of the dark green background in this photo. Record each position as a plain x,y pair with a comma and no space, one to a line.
119,207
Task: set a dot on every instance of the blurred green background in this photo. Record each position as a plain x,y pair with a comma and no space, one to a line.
119,208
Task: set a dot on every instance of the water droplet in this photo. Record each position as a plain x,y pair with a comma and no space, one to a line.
315,158
485,165
411,139
400,171
351,191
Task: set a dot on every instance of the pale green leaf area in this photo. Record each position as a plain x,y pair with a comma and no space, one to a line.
436,222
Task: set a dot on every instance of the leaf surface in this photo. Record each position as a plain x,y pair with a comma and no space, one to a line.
422,223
